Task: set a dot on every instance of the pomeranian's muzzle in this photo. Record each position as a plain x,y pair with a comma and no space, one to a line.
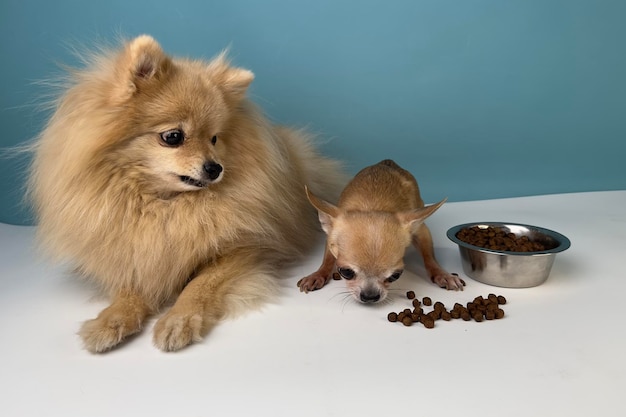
211,173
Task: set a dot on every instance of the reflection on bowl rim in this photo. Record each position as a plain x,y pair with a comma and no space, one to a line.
563,242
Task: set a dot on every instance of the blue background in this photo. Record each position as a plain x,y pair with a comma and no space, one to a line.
479,99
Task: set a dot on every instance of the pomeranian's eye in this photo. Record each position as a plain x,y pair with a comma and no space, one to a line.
174,137
394,276
346,273
214,140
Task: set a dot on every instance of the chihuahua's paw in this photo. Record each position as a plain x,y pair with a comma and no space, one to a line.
313,282
448,281
174,331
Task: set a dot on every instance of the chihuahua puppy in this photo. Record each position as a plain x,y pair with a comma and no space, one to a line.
379,214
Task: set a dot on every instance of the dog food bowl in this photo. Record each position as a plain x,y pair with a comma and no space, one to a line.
504,268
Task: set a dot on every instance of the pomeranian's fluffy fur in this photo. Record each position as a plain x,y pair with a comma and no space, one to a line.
159,180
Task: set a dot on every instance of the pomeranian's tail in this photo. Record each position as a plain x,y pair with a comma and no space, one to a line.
324,176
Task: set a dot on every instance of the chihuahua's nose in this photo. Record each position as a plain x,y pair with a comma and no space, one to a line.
370,296
212,169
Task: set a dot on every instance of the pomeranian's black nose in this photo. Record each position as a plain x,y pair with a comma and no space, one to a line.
370,296
212,169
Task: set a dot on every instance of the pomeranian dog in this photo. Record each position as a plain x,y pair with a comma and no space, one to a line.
158,179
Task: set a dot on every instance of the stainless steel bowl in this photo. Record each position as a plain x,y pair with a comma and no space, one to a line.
510,269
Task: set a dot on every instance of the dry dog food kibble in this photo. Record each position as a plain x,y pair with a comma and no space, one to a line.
410,295
479,309
497,238
428,322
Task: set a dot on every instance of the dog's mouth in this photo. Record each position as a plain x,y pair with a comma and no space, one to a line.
193,181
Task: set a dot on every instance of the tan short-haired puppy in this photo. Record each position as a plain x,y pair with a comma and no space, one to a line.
379,214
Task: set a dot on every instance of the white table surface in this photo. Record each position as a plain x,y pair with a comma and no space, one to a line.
560,350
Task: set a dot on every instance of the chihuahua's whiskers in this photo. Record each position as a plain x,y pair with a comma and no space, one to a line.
396,290
387,301
339,293
347,298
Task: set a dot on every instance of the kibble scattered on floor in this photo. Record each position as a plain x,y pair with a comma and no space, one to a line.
479,309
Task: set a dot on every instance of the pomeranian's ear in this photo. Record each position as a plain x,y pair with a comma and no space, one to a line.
233,81
141,61
326,211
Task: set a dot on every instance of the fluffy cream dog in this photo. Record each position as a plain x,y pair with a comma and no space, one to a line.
159,180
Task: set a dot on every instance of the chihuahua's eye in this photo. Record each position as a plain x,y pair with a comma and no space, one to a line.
394,277
346,273
174,137
214,140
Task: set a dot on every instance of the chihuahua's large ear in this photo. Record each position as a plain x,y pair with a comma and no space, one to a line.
233,81
414,218
141,61
326,211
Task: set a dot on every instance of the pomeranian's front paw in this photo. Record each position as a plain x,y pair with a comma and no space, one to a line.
107,331
174,331
448,281
313,282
